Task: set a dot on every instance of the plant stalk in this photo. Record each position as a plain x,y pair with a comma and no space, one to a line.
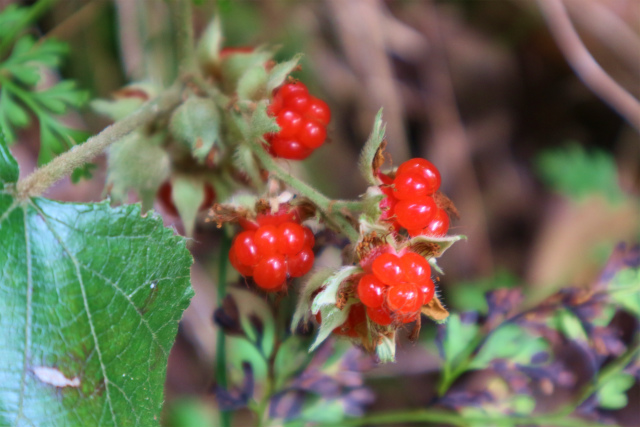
43,178
322,202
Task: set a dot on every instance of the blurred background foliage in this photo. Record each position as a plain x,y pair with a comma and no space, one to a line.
546,176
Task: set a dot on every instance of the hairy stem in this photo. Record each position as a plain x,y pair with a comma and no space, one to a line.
185,39
43,178
322,202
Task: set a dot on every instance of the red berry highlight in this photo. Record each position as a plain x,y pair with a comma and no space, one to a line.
388,269
270,272
371,291
418,213
404,298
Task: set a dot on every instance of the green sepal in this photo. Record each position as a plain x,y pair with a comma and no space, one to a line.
370,150
196,124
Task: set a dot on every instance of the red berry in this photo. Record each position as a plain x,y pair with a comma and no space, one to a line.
300,263
290,149
426,169
266,239
309,238
245,270
290,123
439,225
410,186
312,134
291,89
291,238
318,110
388,269
379,315
428,290
404,298
271,272
298,102
416,269
412,214
371,291
276,105
246,249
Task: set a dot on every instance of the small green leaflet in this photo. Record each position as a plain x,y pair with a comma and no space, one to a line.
371,148
578,173
90,299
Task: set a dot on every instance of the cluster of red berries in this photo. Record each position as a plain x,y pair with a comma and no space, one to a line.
273,250
302,119
397,289
409,199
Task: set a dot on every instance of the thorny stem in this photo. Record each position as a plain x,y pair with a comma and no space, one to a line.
221,359
43,178
450,418
322,202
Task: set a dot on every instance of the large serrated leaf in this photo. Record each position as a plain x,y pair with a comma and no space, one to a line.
90,299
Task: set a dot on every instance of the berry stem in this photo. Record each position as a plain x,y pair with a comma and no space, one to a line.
43,178
185,40
221,353
322,202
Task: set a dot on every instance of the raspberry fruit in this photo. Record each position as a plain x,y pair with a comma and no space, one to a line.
274,249
415,213
397,289
424,168
302,119
371,291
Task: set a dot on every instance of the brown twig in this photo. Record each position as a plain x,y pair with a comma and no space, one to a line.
585,66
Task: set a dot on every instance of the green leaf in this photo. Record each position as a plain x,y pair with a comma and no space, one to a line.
208,49
89,306
371,148
613,393
252,86
303,307
328,295
470,295
577,173
187,194
568,324
511,342
196,123
386,349
428,246
332,317
625,290
251,305
279,73
261,122
192,412
138,163
458,336
9,170
233,67
290,359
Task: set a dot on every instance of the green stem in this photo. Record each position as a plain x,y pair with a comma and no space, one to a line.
221,353
35,11
185,39
322,202
43,178
449,375
450,418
